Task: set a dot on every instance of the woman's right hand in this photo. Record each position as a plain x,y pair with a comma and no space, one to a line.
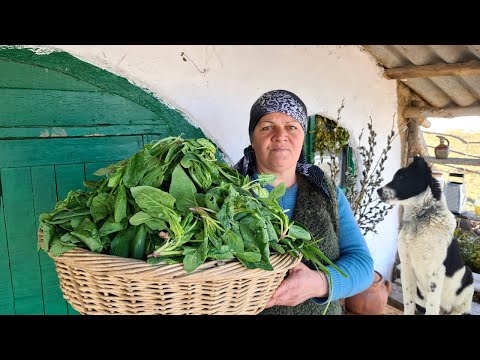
301,284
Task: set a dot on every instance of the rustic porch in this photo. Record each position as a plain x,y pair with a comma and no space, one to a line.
395,300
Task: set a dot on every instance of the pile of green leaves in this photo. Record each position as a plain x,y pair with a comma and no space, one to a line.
469,244
173,202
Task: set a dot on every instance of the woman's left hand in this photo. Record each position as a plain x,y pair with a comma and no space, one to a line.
301,284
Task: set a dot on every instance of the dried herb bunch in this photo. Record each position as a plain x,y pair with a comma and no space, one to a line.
368,209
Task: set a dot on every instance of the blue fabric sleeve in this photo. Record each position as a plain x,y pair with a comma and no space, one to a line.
355,258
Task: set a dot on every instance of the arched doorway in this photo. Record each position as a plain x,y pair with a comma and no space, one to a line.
60,120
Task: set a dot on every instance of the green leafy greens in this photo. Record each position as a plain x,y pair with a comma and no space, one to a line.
173,202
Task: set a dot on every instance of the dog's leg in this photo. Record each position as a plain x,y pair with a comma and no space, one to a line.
434,291
409,287
463,303
464,307
409,282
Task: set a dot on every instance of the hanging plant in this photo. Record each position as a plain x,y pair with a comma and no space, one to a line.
330,139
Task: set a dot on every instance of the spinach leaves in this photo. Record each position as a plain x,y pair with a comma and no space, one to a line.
173,202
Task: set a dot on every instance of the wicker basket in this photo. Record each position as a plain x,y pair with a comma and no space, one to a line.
105,284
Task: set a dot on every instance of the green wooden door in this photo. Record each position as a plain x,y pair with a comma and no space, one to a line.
33,186
60,120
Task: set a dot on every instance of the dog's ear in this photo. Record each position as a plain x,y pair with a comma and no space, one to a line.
435,188
433,183
419,161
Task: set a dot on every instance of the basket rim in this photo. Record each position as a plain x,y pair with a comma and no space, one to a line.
213,270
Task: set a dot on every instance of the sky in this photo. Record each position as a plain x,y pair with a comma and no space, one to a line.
458,123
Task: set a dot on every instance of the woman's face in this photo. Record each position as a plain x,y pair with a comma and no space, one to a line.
277,140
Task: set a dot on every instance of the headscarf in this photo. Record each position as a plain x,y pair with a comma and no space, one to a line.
288,103
282,101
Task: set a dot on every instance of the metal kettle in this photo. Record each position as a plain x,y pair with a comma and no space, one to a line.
442,149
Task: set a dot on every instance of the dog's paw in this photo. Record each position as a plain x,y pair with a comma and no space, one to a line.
409,308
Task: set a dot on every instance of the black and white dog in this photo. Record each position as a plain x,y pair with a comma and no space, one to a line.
433,273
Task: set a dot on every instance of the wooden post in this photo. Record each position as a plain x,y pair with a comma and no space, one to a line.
403,98
412,137
416,142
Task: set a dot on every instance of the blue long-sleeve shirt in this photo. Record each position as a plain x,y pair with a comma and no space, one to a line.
355,258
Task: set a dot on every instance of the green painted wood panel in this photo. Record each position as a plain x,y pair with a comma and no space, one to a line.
67,64
16,75
161,130
7,305
22,243
73,108
39,152
52,104
44,199
310,140
69,178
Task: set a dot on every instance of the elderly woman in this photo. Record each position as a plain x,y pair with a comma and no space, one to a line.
278,121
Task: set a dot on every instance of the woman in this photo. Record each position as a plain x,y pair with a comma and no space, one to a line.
278,121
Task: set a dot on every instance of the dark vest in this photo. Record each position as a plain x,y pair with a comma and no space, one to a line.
319,214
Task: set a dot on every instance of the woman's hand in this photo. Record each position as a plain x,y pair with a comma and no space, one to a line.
301,284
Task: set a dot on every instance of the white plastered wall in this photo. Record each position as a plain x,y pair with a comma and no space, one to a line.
215,86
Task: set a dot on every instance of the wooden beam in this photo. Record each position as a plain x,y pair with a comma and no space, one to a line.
412,71
445,112
424,122
458,161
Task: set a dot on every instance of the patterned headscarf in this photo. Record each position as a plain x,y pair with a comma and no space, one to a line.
288,103
278,101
